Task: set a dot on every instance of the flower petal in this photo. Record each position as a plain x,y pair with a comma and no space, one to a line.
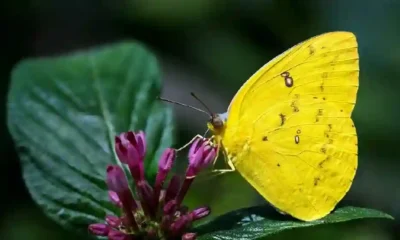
113,196
194,147
210,155
141,143
130,137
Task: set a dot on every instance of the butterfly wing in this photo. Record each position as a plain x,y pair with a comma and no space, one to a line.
289,130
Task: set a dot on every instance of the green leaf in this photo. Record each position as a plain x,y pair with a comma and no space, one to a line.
63,114
252,223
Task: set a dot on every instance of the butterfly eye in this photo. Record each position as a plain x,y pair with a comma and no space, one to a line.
217,122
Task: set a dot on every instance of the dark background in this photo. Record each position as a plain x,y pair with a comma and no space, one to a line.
211,47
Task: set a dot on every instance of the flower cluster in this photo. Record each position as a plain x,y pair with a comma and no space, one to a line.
156,212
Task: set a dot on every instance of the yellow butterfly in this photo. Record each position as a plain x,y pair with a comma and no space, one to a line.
288,130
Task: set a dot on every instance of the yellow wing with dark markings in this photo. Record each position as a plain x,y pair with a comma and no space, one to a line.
289,130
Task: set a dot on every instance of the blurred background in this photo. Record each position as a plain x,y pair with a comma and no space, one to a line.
211,47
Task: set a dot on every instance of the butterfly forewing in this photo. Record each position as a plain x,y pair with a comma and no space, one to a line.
289,130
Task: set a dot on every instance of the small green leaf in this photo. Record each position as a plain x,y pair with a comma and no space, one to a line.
63,114
252,223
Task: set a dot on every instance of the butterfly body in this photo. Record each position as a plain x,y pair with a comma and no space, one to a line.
288,131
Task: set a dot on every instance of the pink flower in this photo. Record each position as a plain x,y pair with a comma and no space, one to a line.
156,212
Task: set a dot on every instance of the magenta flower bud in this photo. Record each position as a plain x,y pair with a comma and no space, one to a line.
135,140
116,180
201,154
117,235
166,160
164,166
113,196
199,213
99,229
189,236
118,183
125,147
180,224
130,149
113,221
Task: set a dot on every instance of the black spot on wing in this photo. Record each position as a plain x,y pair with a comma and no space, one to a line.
288,79
297,139
283,119
316,181
265,138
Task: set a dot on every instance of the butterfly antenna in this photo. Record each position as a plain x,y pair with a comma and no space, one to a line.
202,103
182,104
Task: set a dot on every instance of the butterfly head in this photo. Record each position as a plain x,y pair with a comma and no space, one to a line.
217,123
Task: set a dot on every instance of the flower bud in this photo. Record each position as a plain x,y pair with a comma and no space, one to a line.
116,180
99,229
118,183
200,213
189,236
166,160
201,154
130,149
164,166
113,221
180,224
117,235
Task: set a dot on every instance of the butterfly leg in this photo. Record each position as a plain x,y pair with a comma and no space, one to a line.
216,156
217,172
230,165
190,142
198,136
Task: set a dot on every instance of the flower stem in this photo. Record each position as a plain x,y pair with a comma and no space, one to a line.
184,189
